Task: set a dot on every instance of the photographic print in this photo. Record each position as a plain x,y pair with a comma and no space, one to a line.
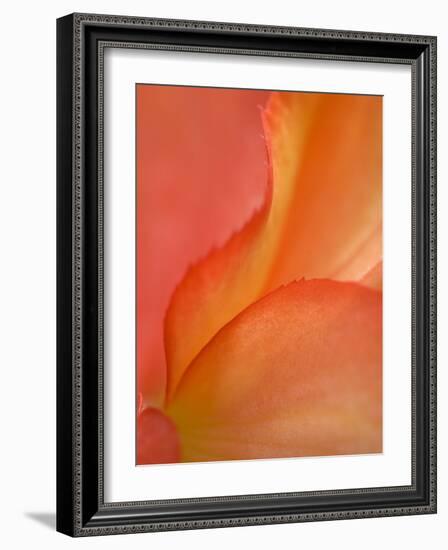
246,282
258,274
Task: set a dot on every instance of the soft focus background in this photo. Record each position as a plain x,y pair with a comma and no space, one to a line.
27,229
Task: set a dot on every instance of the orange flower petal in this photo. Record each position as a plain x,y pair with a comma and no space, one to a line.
231,277
321,218
195,147
157,439
333,224
298,373
212,292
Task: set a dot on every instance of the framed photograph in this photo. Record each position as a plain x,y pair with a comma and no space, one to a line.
246,274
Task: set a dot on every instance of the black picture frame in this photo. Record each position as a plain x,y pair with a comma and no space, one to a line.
81,510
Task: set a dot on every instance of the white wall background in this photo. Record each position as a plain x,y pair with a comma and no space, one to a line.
27,275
